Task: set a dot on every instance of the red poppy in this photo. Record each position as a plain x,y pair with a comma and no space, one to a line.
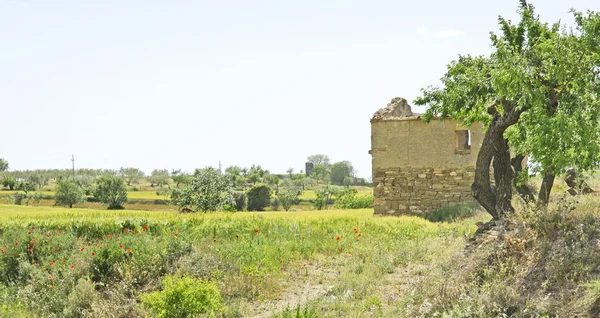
29,232
56,249
51,263
237,236
339,249
80,273
93,253
135,231
304,264
349,252
64,260
257,231
120,245
126,231
175,234
214,237
145,227
16,243
81,249
109,236
72,266
129,251
215,241
337,238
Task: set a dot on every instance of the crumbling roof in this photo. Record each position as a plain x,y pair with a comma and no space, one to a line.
397,109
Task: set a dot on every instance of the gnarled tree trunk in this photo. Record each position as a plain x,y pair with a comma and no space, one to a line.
522,189
546,188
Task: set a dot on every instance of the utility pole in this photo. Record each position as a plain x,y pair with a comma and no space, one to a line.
73,160
220,166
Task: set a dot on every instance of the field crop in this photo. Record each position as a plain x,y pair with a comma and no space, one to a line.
76,262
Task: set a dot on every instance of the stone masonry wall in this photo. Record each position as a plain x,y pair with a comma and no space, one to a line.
400,191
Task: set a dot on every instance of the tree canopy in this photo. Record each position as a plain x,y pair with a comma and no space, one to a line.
538,92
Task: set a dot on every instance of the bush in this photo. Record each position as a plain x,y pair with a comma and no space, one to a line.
259,197
68,193
184,297
111,191
287,197
275,204
240,200
208,190
347,199
452,213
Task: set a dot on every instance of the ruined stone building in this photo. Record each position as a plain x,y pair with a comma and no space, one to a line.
420,166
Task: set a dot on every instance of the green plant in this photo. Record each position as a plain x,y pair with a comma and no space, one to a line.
111,191
184,297
275,204
208,190
288,196
240,200
68,193
259,197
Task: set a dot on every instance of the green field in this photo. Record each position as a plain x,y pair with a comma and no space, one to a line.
262,263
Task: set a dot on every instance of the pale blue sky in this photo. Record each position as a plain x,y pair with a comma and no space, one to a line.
184,84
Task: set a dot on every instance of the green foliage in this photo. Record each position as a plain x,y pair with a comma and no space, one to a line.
208,190
132,175
319,159
3,165
184,297
26,186
320,173
545,74
111,191
340,171
240,200
159,177
324,196
288,196
68,193
9,182
259,197
348,199
275,204
180,178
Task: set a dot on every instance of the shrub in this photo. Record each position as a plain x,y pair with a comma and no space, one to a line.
111,191
240,200
275,204
68,193
184,297
9,182
208,190
347,199
452,213
288,196
259,197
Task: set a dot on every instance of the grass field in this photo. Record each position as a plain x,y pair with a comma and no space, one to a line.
329,263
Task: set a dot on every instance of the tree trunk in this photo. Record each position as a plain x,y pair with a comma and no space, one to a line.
497,200
546,188
522,189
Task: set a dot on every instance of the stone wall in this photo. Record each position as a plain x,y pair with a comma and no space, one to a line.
420,166
407,190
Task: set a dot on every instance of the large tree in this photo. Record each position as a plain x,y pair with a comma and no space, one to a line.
132,175
68,193
320,159
208,190
111,191
340,171
538,92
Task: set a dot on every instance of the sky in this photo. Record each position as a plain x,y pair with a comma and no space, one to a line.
189,84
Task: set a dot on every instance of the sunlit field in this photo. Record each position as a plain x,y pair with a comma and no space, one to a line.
107,262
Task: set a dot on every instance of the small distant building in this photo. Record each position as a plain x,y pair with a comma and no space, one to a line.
420,166
308,168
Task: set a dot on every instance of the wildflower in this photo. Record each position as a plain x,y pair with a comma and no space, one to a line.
60,231
135,231
29,232
93,253
349,252
56,249
304,264
109,236
48,234
16,243
257,231
51,263
120,245
128,251
339,249
337,238
214,241
175,234
81,249
64,260
72,266
50,286
237,236
126,231
30,250
145,227
80,273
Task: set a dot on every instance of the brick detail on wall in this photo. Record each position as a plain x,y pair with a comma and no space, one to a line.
413,191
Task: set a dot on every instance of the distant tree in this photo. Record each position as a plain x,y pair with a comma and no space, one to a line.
85,182
253,177
324,196
341,170
68,193
208,190
288,196
10,182
3,165
319,159
259,197
290,172
26,186
273,181
180,178
348,181
159,177
111,191
132,175
39,180
320,173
